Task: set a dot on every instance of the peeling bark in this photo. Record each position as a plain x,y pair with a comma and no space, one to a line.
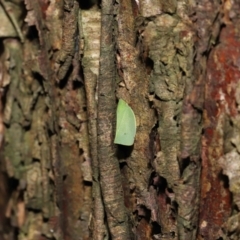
63,66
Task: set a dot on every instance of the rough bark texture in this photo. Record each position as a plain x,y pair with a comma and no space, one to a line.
110,177
90,28
220,152
64,65
46,147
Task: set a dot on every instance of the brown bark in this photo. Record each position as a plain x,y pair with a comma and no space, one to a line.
219,144
110,178
64,65
90,29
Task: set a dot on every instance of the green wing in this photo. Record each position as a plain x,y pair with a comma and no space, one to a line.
126,124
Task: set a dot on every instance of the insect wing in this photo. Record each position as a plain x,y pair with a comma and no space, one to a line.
126,124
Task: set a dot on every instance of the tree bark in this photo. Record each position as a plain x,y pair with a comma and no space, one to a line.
63,67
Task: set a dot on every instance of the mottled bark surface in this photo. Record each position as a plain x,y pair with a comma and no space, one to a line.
220,154
110,178
63,67
46,146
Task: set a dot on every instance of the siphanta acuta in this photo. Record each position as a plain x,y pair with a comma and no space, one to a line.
126,124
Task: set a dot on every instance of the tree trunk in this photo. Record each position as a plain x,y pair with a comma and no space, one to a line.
64,65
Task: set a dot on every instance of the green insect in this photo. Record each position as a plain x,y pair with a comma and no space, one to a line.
126,124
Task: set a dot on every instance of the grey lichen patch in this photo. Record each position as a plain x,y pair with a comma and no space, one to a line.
26,146
33,193
168,48
170,43
168,40
13,138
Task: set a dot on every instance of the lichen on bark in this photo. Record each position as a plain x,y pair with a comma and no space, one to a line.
168,42
46,132
64,65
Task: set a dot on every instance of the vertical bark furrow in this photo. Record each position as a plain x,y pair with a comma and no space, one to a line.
110,177
133,88
90,23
